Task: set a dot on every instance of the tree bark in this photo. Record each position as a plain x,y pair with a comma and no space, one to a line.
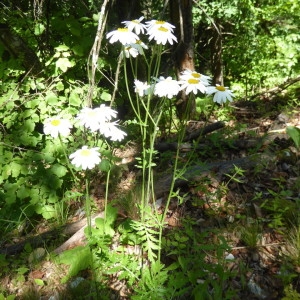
182,18
216,54
19,49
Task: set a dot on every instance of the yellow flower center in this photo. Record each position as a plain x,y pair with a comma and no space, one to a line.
196,75
55,122
135,21
220,88
163,29
193,81
158,22
123,29
85,152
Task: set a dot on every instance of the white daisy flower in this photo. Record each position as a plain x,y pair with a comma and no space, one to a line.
111,131
123,35
141,88
193,81
166,87
89,118
135,25
193,85
106,113
162,35
155,24
129,51
188,74
139,46
221,93
92,118
85,158
55,126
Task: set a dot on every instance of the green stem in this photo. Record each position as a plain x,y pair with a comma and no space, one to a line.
67,158
106,195
88,205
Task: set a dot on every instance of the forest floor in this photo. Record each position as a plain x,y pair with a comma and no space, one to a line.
255,210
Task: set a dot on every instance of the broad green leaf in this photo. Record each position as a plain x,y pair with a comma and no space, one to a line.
78,258
51,98
22,270
75,27
47,211
78,50
39,282
52,197
15,169
10,197
60,86
34,195
63,63
105,96
294,133
74,99
61,48
104,165
23,192
29,125
32,104
59,170
39,29
111,214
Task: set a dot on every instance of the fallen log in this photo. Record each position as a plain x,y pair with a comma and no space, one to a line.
214,169
44,238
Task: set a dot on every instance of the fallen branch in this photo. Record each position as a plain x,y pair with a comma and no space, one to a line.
205,130
277,89
215,169
165,146
78,238
45,237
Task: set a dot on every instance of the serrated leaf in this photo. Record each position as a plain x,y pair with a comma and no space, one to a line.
74,99
23,192
32,104
105,165
39,29
59,170
29,125
63,63
47,211
60,86
61,48
51,98
34,195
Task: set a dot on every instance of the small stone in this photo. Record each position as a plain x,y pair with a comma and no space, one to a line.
229,257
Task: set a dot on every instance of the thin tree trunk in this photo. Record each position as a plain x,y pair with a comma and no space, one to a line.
182,18
19,49
216,54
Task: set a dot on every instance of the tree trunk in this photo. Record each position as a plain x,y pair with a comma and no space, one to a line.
216,54
19,49
182,18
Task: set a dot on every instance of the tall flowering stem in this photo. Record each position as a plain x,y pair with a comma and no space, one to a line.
88,206
67,159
